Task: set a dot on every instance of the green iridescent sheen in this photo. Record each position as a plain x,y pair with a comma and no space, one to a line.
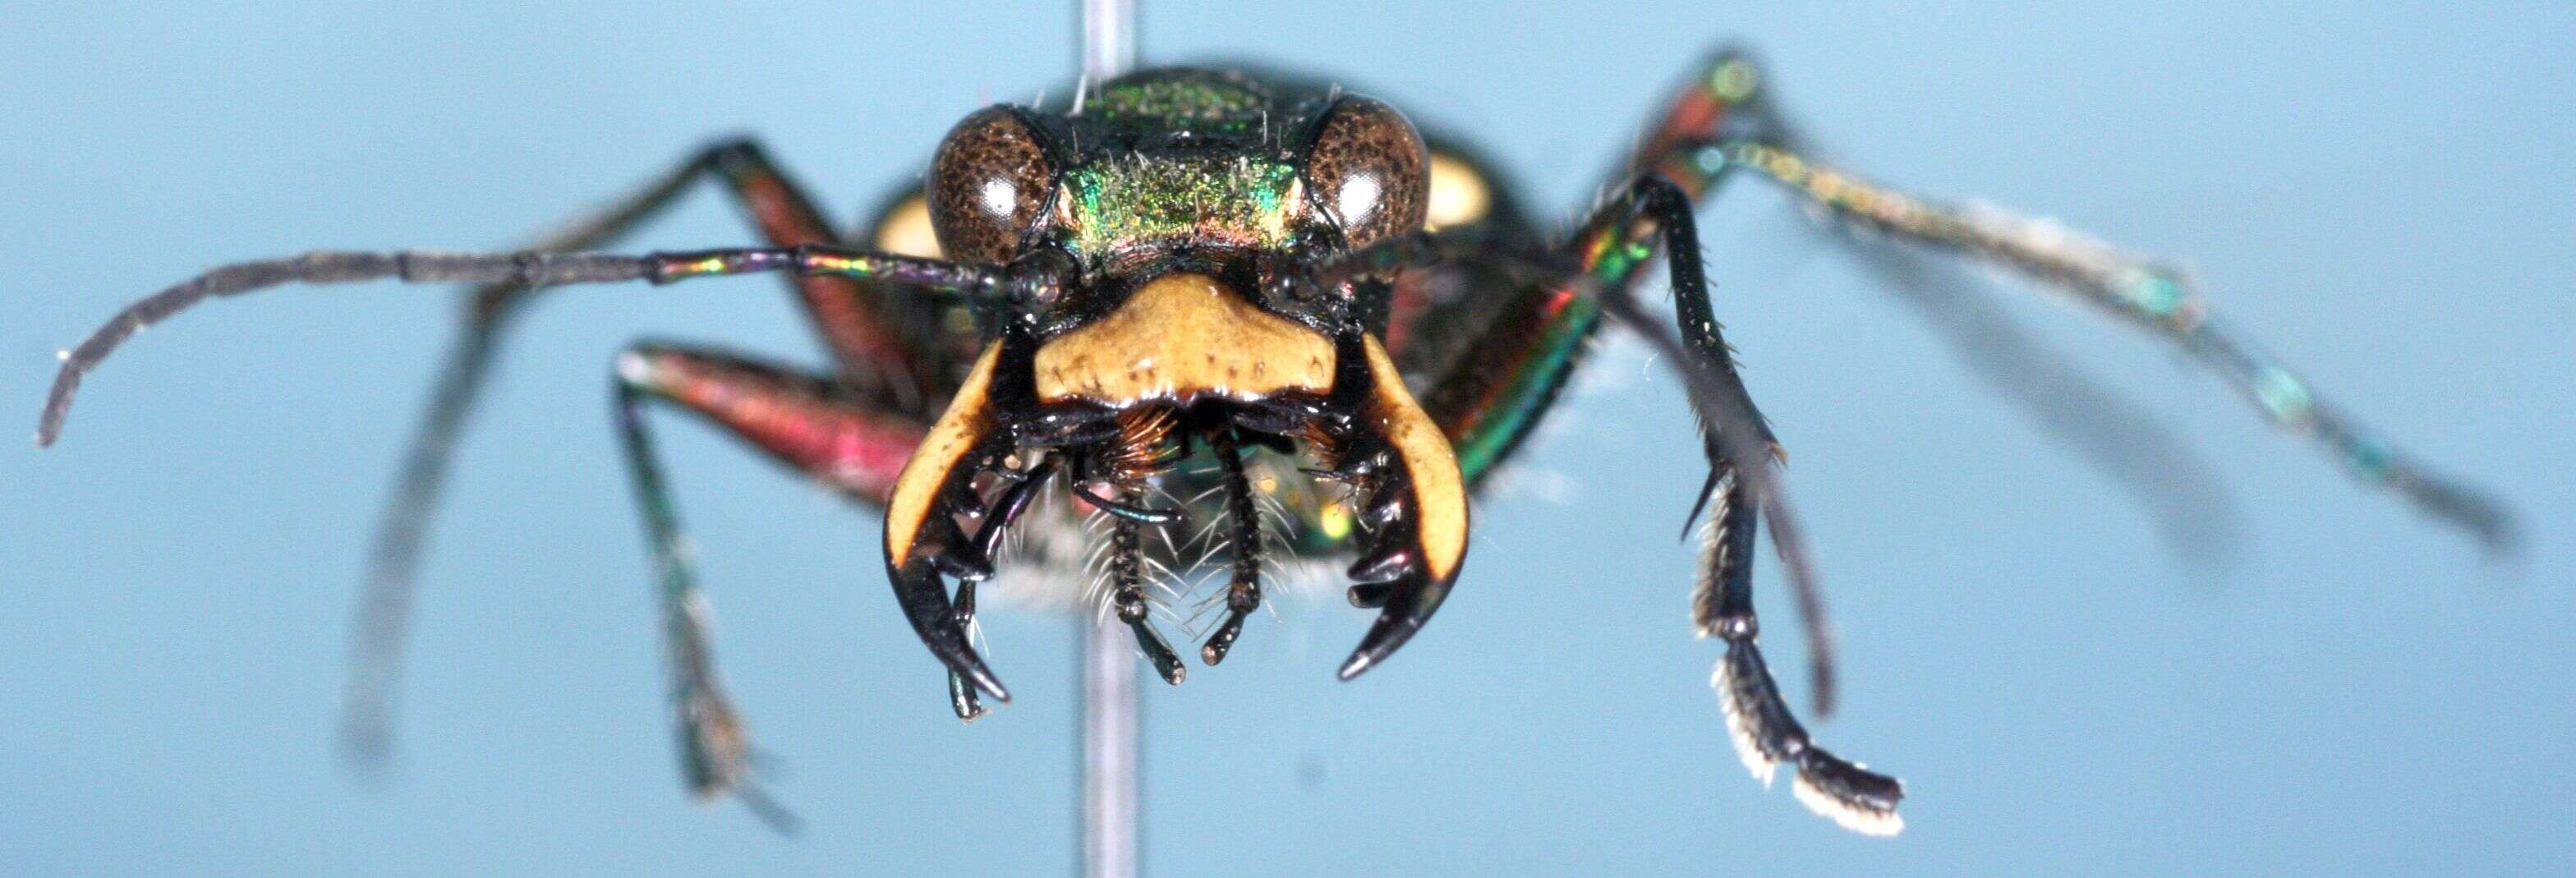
1239,202
2371,458
1209,103
1568,322
1617,262
2283,394
2154,294
1732,81
1710,160
1484,445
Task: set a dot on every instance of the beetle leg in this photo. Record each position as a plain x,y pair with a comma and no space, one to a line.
1503,381
1722,122
2146,293
800,421
1765,732
1668,207
1724,103
1498,385
1489,398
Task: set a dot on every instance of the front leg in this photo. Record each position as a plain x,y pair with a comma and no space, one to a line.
1509,376
1765,731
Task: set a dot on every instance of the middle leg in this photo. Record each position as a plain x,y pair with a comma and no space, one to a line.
1765,731
1509,377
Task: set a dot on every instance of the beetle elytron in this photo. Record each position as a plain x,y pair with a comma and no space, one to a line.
1256,319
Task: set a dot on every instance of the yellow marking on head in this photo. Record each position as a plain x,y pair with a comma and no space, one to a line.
916,491
1439,492
1459,195
1181,336
906,230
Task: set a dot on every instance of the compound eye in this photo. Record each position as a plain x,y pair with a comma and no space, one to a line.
988,186
1365,171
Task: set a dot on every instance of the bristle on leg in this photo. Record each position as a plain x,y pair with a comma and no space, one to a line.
1766,735
1848,794
1741,686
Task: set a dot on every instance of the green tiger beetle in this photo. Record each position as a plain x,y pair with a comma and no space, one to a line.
1216,324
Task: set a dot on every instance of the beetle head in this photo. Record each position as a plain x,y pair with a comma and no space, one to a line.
1178,217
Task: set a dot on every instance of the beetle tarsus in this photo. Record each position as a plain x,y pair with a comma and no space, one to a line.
1767,735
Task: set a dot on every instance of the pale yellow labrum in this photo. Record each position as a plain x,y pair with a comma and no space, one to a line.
1181,337
916,491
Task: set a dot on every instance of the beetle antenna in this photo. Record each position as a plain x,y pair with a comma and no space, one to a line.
527,270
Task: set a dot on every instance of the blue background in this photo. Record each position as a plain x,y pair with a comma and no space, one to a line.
2382,197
